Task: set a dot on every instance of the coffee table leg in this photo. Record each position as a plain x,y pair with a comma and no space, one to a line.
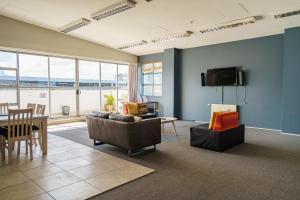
163,128
174,128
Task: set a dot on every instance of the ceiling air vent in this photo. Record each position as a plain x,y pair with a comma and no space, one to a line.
287,14
231,24
127,46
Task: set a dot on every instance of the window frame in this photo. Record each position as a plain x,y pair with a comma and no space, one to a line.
153,84
49,87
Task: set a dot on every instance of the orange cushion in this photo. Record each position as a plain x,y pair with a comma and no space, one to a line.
225,121
125,108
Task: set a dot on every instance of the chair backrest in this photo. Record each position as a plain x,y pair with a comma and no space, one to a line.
31,105
3,108
19,123
40,109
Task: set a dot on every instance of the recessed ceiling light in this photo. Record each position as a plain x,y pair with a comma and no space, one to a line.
175,36
287,14
231,24
113,9
131,45
74,25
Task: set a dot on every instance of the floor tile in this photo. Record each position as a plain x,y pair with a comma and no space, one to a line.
12,179
106,181
59,157
6,169
72,163
43,171
21,192
56,181
44,196
80,190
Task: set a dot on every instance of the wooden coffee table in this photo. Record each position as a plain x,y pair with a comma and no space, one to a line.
165,120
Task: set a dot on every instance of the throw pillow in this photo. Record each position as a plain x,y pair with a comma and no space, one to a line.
125,108
225,121
121,118
137,119
133,109
142,108
212,120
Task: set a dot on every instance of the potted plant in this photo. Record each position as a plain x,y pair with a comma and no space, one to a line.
109,102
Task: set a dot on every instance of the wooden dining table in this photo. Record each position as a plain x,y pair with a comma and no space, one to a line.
42,120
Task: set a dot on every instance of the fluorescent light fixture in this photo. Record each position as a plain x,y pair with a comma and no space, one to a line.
175,36
231,24
113,9
143,42
74,25
287,14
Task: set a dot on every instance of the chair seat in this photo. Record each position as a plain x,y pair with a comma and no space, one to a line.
4,131
35,128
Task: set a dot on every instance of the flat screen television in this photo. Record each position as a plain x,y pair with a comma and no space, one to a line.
222,76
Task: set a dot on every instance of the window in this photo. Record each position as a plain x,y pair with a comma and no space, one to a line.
122,86
8,77
34,87
108,87
152,79
53,81
62,86
89,78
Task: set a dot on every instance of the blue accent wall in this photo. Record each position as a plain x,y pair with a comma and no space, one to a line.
259,101
271,97
291,82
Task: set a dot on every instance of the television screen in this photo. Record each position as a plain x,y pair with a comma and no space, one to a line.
222,76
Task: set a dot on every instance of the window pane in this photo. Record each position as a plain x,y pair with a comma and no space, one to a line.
158,67
148,90
89,78
62,72
148,68
157,78
89,74
8,78
8,95
34,95
8,59
62,97
89,101
108,87
148,79
157,90
33,70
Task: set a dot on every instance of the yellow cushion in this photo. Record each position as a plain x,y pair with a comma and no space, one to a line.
212,119
133,109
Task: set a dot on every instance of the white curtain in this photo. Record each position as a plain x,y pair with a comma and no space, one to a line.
133,83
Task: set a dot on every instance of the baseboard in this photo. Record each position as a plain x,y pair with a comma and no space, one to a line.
267,129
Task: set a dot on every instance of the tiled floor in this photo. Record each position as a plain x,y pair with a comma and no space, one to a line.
69,171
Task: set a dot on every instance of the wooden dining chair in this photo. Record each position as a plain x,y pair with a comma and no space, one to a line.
31,105
19,129
3,108
40,110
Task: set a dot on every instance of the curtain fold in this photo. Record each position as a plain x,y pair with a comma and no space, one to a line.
133,83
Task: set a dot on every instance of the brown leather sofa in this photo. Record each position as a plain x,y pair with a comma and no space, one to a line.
127,135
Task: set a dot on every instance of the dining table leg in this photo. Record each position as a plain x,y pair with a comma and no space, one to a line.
44,136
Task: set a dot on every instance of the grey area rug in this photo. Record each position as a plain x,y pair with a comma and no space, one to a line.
266,167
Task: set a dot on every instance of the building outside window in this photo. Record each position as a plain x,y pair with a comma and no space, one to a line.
152,79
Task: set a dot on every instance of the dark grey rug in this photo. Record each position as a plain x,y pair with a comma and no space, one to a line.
266,167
